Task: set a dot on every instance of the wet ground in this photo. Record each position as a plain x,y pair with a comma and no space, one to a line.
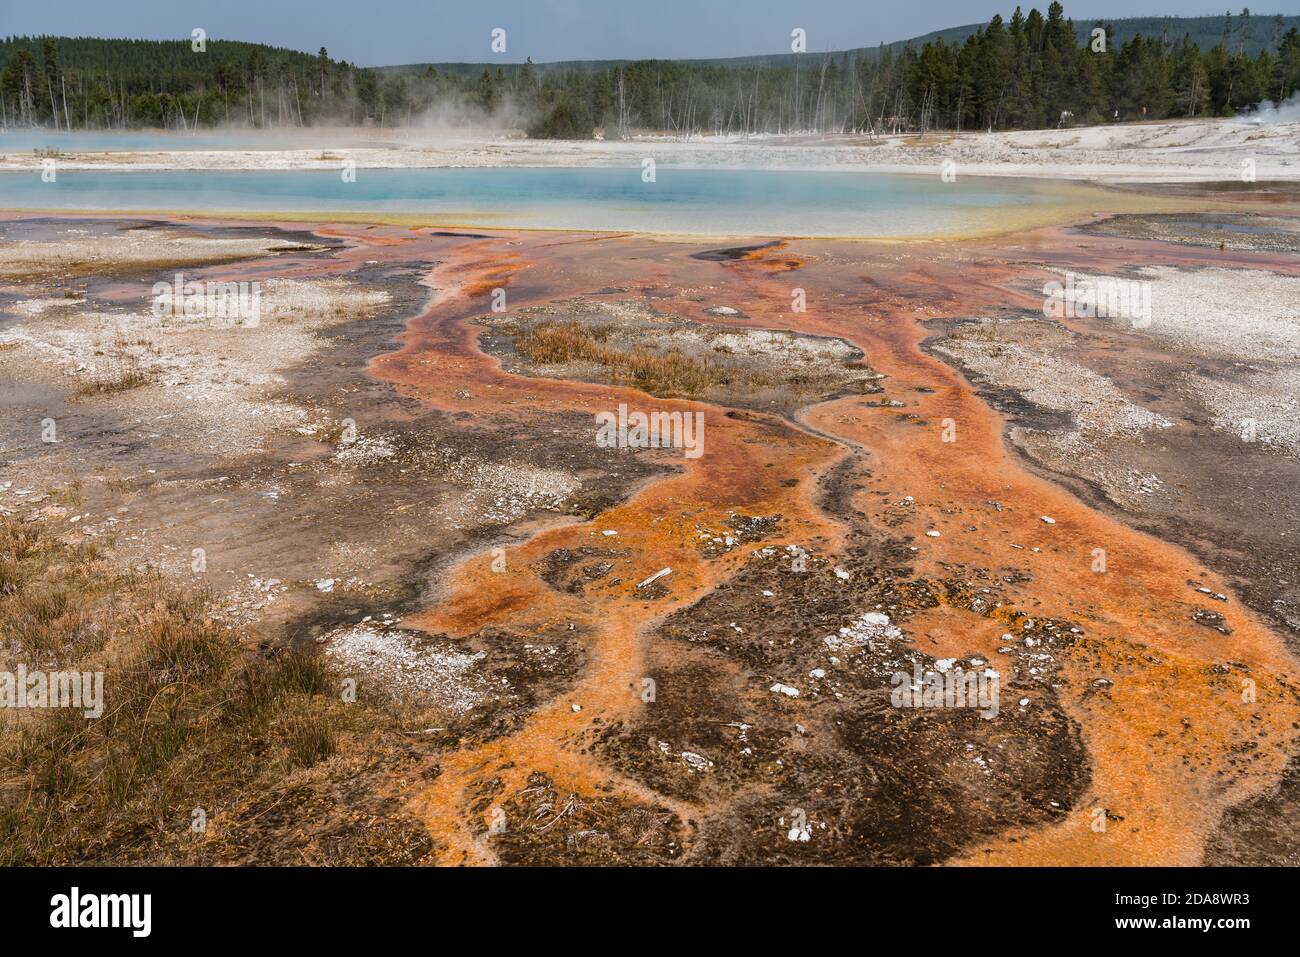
632,655
1235,231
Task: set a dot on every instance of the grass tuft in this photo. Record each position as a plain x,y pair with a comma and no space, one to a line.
190,720
310,739
670,373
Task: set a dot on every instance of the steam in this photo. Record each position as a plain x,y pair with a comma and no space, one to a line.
454,114
405,108
1288,112
449,113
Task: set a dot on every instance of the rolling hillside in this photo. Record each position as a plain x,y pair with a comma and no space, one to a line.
1255,33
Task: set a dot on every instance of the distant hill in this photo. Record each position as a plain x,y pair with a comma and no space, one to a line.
1256,32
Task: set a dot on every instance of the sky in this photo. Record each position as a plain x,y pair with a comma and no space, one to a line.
379,32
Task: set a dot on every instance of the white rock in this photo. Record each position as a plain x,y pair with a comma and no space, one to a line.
871,626
655,577
696,761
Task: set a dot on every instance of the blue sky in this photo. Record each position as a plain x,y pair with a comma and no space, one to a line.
374,32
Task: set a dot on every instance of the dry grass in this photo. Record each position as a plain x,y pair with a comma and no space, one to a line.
930,138
311,739
669,373
189,719
123,379
556,342
127,370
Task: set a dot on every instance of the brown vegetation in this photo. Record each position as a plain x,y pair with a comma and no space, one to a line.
671,373
190,719
126,370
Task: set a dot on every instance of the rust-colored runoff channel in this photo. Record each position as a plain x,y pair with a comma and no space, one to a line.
1171,742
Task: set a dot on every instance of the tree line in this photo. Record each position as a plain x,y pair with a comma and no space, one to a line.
90,83
1028,71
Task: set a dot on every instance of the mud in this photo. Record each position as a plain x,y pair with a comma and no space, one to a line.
540,825
1222,231
872,783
